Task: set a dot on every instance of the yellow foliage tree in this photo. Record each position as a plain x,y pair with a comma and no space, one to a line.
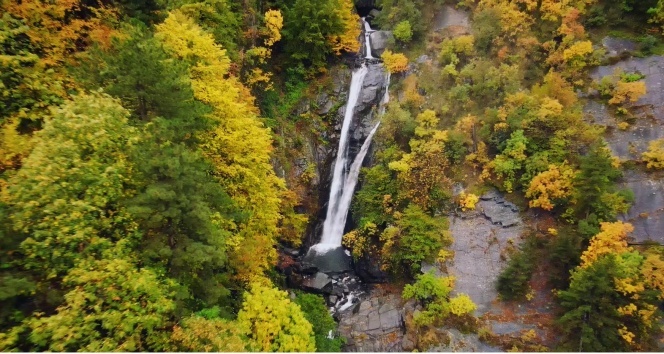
611,239
239,145
273,323
555,183
57,30
198,334
654,157
628,92
348,40
394,62
468,201
421,172
653,272
274,22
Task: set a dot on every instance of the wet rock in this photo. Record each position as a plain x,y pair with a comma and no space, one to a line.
368,269
306,268
374,13
319,283
330,261
380,40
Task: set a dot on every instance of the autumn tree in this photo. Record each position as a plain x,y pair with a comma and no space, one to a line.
654,157
200,334
394,62
554,184
273,323
238,145
434,292
100,313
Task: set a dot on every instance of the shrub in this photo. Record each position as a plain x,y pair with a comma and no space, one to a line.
654,157
403,31
394,62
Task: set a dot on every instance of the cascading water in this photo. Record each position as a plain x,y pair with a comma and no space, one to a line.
331,232
344,179
367,43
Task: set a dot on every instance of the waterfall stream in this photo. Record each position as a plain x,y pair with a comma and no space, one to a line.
367,42
344,179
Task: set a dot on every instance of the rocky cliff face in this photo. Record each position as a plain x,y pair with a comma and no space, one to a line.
647,212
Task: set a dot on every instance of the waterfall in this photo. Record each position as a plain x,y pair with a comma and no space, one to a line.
331,232
367,43
344,180
386,96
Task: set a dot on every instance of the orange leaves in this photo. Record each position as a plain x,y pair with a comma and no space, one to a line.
58,28
611,239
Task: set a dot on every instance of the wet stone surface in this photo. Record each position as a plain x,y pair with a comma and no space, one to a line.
375,324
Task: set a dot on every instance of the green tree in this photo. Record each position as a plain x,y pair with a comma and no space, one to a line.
307,26
403,31
187,216
65,199
148,81
113,305
415,237
315,311
596,192
607,308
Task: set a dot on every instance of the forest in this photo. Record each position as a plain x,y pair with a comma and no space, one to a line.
165,165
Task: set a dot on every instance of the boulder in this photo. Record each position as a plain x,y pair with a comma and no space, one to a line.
617,47
368,269
380,40
319,283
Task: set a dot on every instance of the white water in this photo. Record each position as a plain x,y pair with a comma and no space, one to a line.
367,43
386,96
331,234
344,181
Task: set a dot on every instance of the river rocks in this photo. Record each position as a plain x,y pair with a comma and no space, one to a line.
480,240
319,283
380,40
375,325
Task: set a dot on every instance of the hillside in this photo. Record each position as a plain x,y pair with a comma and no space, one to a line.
338,175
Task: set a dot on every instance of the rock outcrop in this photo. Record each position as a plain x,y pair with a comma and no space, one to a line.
480,240
647,212
375,324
